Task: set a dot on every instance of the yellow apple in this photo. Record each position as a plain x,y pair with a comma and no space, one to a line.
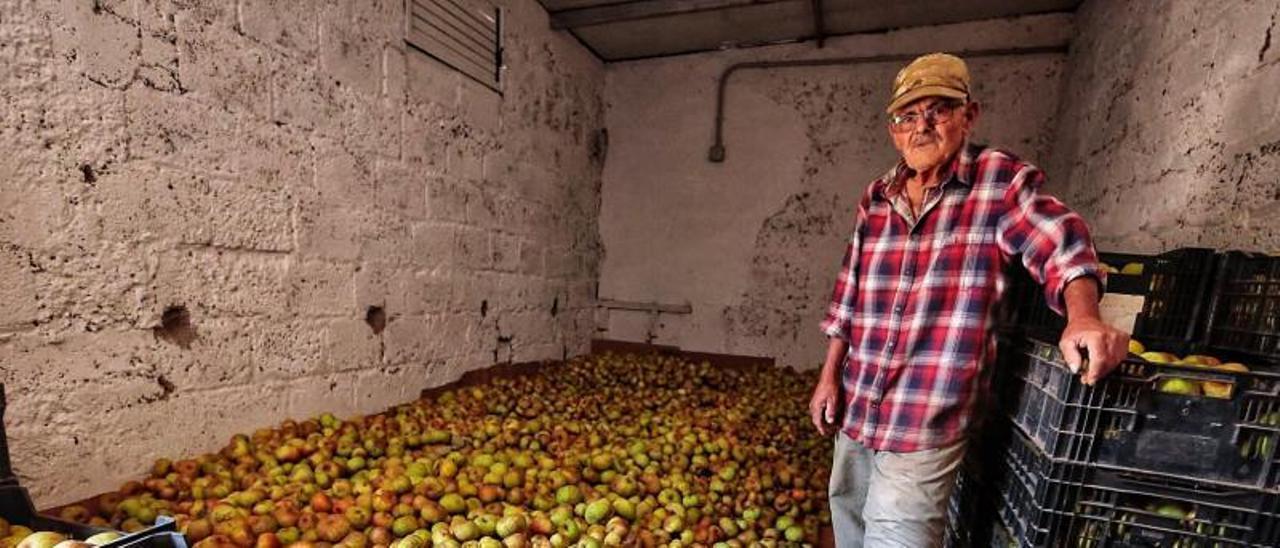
1201,360
1159,357
1182,387
1136,347
1132,269
1215,389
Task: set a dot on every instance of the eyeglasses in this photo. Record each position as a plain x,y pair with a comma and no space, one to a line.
937,113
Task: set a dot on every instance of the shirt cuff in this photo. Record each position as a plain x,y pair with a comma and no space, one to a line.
1054,295
833,327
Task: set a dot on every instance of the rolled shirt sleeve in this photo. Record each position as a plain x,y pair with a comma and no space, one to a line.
839,315
1053,241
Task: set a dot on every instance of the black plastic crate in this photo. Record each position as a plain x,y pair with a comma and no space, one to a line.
973,512
973,518
1125,423
1122,283
1048,502
1245,317
157,540
1177,301
1023,308
7,476
16,508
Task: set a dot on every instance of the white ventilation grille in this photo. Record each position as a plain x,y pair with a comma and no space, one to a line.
464,34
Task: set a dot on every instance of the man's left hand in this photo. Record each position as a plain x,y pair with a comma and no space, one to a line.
1106,345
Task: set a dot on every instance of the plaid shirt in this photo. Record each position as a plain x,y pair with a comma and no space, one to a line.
915,298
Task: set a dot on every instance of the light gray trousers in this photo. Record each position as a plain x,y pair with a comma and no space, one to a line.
883,499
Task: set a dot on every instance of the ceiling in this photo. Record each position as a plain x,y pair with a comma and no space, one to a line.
620,30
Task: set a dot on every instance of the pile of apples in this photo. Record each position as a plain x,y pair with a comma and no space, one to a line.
603,450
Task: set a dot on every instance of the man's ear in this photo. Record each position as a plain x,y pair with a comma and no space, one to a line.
972,111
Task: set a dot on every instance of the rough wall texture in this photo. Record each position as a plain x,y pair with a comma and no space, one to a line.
1171,124
200,202
754,243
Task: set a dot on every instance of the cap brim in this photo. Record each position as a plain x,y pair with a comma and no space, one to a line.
922,92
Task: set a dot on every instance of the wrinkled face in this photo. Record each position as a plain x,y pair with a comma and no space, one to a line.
928,132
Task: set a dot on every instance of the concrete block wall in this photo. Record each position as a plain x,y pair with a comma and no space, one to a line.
754,243
1170,126
217,215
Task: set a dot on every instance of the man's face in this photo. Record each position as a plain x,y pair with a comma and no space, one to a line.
928,132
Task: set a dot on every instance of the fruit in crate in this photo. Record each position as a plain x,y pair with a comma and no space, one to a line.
601,450
1170,510
103,538
41,539
1108,268
1214,389
1159,357
1131,269
1179,386
1200,360
1222,390
1232,366
1136,347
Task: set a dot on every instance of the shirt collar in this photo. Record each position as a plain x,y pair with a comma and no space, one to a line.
959,169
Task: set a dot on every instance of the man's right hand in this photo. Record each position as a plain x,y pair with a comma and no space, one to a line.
822,407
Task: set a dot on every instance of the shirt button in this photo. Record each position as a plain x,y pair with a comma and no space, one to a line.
898,309
909,271
890,345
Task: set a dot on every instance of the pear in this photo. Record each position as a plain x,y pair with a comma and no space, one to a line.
1180,386
1201,360
42,539
103,538
1136,347
1159,357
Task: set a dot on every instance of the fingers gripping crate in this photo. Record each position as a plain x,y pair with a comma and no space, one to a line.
1245,317
1131,421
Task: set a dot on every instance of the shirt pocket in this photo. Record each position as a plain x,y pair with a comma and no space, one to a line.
967,257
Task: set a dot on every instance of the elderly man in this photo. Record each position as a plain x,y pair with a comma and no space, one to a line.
910,320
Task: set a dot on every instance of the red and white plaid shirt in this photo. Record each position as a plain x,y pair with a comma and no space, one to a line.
915,299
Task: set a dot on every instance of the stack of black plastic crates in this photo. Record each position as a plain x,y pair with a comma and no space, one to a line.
1244,319
1124,463
17,509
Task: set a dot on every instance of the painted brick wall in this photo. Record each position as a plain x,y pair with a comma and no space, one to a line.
1170,132
274,169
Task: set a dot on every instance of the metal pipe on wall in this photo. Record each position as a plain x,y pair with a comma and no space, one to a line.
717,151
